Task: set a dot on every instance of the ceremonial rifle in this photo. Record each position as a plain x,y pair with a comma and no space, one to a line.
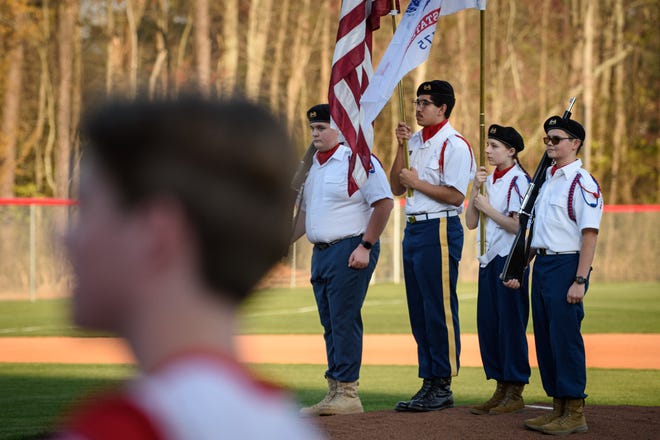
298,181
518,257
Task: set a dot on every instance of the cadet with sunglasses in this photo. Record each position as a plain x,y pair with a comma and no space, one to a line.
568,213
442,165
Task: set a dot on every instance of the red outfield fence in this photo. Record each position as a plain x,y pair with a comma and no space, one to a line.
33,263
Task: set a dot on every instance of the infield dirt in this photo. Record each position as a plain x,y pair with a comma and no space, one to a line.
603,351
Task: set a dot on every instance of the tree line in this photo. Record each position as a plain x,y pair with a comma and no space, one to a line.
60,57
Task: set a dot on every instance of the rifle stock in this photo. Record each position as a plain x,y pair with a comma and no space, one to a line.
303,168
518,258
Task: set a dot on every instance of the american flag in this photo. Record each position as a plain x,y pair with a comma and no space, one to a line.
351,71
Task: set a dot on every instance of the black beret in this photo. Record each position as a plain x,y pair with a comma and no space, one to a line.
319,113
574,128
507,135
435,87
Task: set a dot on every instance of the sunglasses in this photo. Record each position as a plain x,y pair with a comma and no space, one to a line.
422,102
554,139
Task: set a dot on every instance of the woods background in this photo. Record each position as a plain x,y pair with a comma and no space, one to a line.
59,57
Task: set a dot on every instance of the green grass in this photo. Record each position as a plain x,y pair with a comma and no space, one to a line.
34,395
610,308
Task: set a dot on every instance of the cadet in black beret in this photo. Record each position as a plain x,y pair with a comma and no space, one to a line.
319,113
440,92
507,135
571,127
344,229
502,313
441,168
568,211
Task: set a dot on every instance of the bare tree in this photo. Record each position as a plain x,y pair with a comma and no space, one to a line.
202,46
619,131
67,16
160,69
134,14
228,62
588,77
258,27
10,112
278,65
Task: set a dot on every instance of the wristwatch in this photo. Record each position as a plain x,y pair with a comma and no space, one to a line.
580,280
365,244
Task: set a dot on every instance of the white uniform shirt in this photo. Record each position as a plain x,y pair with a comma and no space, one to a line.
505,195
201,396
457,171
330,214
554,229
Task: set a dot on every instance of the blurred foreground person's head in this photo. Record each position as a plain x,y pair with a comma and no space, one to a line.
180,201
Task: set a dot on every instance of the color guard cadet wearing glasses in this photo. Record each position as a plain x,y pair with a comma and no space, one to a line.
568,213
502,313
345,231
442,165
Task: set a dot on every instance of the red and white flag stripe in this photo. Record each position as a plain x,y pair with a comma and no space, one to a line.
351,71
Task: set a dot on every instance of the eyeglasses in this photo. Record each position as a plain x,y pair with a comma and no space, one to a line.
554,139
422,102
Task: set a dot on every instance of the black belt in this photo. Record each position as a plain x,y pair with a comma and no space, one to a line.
323,246
545,252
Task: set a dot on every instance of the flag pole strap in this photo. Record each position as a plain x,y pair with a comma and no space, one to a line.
402,109
482,127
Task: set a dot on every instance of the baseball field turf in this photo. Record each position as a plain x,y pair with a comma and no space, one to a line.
32,395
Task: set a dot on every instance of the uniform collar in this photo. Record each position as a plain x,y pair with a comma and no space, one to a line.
432,130
438,128
568,170
497,174
323,157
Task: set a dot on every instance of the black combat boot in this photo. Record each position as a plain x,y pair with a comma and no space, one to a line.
438,397
404,404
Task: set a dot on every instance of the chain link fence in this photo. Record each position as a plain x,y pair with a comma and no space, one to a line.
33,264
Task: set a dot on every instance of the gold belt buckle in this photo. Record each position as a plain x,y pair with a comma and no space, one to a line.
412,219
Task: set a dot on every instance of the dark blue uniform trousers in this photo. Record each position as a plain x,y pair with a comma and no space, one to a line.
431,252
559,344
340,292
502,316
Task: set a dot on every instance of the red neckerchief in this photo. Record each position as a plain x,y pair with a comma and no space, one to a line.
323,156
432,130
497,174
554,168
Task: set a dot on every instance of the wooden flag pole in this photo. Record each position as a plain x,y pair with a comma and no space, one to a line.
482,127
402,109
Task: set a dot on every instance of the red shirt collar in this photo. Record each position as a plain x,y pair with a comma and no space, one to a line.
554,168
497,174
432,130
323,156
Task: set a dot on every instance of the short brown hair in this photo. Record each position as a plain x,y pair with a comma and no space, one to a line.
229,164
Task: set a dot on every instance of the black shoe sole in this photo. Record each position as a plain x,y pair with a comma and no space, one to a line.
424,409
402,406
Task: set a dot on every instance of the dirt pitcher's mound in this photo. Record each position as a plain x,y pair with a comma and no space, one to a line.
605,422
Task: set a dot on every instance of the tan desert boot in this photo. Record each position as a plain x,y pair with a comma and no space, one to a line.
513,400
557,411
314,409
495,400
346,401
571,421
